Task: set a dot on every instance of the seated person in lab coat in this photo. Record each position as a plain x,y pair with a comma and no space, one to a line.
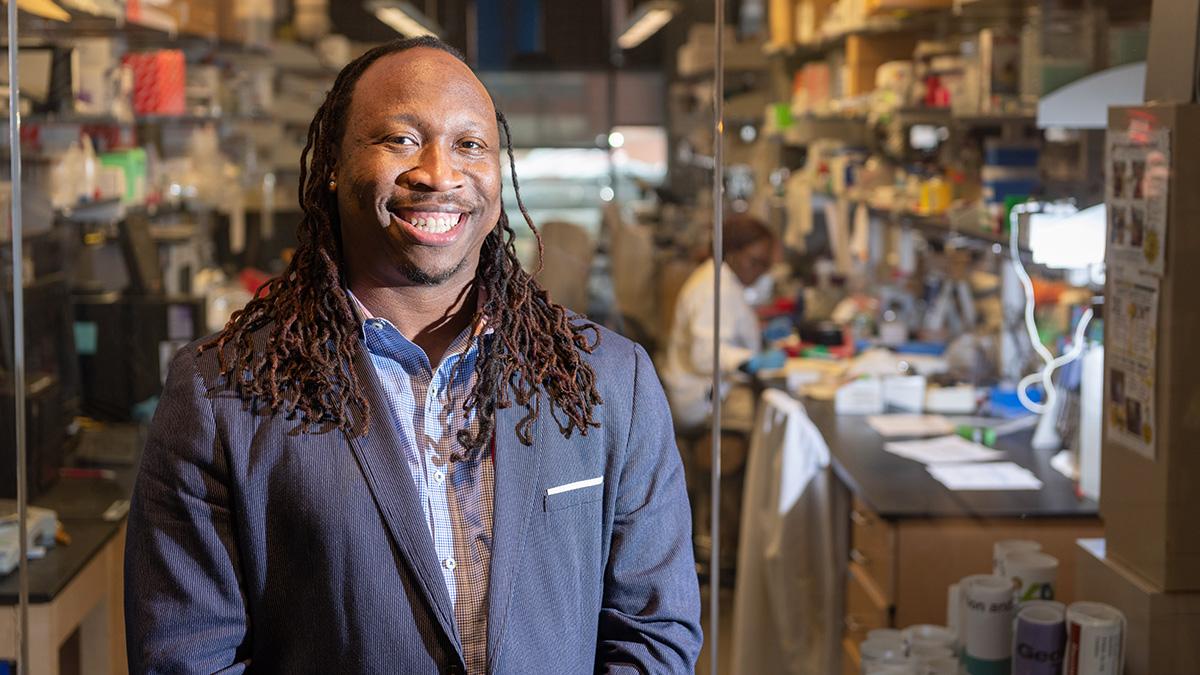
749,250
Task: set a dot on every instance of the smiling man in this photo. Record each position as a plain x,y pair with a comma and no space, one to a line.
402,457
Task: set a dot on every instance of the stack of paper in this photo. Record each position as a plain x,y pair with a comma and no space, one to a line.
942,450
892,426
985,476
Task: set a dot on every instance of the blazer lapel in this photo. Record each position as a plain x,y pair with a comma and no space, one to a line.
517,469
381,458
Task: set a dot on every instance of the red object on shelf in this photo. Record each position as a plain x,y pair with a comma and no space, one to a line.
159,79
253,279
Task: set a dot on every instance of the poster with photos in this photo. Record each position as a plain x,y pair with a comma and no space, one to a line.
1131,342
1138,172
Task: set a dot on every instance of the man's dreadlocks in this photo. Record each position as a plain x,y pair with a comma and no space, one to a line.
304,364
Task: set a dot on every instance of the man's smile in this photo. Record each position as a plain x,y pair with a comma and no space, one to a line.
430,225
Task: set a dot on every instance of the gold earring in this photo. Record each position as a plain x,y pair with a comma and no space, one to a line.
333,186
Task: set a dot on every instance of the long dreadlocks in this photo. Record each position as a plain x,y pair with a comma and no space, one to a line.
305,365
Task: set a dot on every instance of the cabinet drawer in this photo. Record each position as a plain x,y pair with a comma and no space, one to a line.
873,548
866,609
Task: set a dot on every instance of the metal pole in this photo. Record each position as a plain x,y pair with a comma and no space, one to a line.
714,555
18,324
616,61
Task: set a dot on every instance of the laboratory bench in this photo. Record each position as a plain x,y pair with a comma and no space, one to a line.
911,538
76,591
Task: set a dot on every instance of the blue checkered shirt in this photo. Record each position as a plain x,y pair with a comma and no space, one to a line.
456,491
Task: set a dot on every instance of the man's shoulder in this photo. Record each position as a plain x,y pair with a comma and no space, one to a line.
616,360
205,362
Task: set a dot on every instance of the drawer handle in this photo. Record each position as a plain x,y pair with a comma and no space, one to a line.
858,557
853,625
859,518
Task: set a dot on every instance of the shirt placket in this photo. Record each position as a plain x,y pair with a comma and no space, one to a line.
437,468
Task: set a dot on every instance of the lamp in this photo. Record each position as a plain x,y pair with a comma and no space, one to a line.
1084,103
403,18
645,21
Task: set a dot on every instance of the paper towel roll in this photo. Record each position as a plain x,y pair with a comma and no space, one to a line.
1033,574
1095,639
1039,638
1005,546
989,622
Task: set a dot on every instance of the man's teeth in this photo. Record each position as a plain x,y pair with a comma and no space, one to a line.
438,225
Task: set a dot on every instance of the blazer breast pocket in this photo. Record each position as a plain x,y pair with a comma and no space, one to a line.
573,494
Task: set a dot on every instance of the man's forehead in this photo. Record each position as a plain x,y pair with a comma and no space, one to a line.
422,73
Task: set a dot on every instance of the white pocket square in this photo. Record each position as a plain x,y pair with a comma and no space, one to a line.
577,485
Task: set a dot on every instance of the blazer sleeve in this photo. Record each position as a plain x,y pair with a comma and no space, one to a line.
184,607
650,613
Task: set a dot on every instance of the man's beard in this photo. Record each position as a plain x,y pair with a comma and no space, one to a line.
422,277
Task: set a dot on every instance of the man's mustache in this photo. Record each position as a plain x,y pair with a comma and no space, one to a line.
426,204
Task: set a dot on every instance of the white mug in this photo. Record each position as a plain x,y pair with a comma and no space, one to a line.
1033,575
1005,546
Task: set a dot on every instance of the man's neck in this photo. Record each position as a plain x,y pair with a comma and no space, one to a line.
430,316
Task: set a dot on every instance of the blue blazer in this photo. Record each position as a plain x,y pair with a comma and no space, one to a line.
253,547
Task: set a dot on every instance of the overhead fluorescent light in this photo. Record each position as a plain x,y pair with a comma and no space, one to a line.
645,21
403,18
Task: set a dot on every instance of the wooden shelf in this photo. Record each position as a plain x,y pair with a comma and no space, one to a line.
137,36
940,226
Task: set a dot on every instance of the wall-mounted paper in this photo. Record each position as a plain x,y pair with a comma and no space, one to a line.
1131,346
1136,195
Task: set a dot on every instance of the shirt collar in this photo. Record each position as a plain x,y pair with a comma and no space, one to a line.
362,314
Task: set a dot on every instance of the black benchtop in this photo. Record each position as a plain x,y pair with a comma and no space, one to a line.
897,488
79,504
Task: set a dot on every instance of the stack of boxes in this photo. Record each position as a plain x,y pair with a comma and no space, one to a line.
159,81
1010,176
1149,564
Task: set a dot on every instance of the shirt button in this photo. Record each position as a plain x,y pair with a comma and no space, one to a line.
449,564
439,477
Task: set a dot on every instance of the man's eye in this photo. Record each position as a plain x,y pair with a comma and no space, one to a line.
471,145
401,140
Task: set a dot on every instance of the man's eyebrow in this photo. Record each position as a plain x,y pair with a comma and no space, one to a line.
464,121
407,118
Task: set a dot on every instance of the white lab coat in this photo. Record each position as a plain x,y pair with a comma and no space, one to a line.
687,367
788,601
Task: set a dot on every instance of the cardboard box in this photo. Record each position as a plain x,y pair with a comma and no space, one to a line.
229,26
865,53
1151,505
195,17
1161,627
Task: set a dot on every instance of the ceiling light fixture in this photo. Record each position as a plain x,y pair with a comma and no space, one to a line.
403,18
645,21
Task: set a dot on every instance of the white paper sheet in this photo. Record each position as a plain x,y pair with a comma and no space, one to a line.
892,426
984,476
942,450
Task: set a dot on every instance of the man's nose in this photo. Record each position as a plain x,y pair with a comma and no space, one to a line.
434,172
